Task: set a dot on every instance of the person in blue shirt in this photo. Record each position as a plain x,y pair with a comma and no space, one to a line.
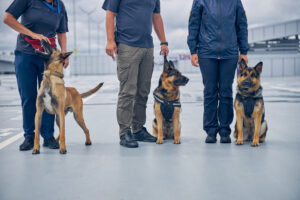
218,37
40,20
131,41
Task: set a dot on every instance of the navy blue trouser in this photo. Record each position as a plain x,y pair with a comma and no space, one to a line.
29,72
218,76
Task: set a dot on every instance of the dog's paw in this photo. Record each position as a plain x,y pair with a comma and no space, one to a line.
159,141
35,151
88,143
177,141
62,151
239,141
255,143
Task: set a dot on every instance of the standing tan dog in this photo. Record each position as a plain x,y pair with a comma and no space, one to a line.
57,99
249,106
166,124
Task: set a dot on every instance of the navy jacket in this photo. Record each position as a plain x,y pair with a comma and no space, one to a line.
218,29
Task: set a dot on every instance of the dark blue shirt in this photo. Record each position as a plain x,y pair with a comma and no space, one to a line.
133,20
38,18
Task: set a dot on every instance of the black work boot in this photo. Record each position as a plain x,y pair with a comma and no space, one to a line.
144,136
51,143
211,139
126,140
225,139
27,144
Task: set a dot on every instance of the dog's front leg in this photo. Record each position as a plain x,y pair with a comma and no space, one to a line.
257,115
38,123
62,144
177,126
159,119
239,123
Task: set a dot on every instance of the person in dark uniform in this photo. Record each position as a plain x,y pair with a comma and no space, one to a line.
40,20
218,37
130,39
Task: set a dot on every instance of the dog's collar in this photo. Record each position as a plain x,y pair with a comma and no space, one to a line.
57,74
254,94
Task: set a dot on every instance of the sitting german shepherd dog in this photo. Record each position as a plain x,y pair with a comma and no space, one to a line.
57,99
249,106
166,124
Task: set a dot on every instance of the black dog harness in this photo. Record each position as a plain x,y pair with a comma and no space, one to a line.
249,101
167,107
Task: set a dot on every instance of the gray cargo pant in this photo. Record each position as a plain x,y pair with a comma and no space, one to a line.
134,69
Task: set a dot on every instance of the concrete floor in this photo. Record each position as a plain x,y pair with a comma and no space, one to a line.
191,170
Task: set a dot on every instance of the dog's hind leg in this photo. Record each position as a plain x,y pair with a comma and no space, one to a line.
78,115
38,123
263,131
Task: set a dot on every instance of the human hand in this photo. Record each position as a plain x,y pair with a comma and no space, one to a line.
243,57
164,50
195,60
40,37
111,49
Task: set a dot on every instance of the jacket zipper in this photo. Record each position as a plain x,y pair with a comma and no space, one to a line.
204,24
219,29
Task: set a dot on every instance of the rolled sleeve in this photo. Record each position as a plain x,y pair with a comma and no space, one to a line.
63,24
242,29
18,7
157,7
194,27
111,5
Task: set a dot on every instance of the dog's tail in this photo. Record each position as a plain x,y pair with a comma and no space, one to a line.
92,91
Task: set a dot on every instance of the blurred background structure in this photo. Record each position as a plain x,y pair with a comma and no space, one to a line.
273,39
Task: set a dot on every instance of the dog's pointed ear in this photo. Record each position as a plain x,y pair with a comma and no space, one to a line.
44,55
64,56
258,67
242,65
166,65
171,65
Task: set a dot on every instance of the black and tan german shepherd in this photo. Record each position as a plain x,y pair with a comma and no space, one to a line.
166,124
249,106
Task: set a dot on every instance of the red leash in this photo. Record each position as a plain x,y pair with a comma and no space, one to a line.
36,44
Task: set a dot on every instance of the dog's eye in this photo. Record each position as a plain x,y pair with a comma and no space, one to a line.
244,74
253,75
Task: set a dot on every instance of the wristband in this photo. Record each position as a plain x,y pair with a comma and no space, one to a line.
164,43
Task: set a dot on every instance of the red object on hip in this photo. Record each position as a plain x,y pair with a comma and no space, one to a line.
36,44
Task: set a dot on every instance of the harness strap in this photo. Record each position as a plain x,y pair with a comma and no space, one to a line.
163,101
167,107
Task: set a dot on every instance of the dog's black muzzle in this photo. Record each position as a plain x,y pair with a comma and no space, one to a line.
247,84
182,81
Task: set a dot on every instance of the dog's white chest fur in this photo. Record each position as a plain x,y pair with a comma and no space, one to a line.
47,101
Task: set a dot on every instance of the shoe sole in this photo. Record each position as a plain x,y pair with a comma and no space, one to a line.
144,140
128,146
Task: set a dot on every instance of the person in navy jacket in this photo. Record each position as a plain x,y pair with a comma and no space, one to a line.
218,38
40,19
